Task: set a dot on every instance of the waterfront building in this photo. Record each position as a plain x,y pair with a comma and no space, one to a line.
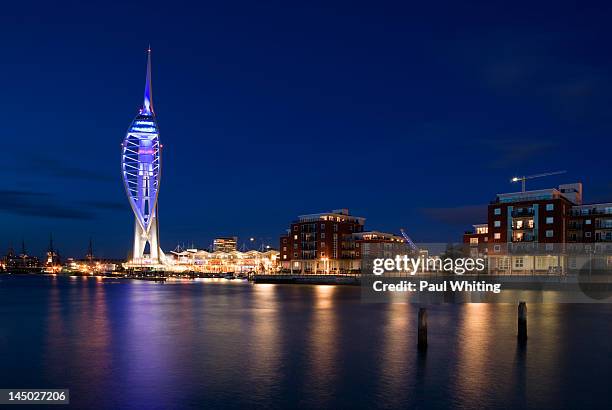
529,232
21,262
218,262
322,243
227,244
335,243
478,239
141,172
376,244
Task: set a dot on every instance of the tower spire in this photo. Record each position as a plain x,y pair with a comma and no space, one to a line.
147,107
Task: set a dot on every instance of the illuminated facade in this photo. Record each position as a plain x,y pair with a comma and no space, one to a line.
201,261
141,172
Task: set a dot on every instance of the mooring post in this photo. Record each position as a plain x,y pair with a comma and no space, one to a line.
422,332
522,322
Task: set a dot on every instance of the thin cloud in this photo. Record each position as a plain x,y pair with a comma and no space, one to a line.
39,204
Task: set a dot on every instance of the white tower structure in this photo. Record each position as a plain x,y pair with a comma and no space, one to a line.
141,171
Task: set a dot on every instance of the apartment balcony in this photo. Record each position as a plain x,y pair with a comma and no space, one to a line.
586,212
524,238
522,213
522,228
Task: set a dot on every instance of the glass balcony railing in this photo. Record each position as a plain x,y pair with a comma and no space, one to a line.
522,212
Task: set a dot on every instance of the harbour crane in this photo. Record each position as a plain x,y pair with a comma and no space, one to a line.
411,244
524,178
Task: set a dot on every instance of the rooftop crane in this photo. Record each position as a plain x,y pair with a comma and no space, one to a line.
524,178
411,244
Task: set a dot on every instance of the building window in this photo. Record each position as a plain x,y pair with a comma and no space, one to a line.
322,244
549,219
497,224
549,233
295,227
497,211
284,256
322,254
284,240
587,222
474,241
295,237
295,254
587,234
496,248
550,207
296,264
284,249
335,227
497,235
323,235
519,263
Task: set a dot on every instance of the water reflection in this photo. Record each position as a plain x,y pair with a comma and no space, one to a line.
323,345
218,345
265,347
397,354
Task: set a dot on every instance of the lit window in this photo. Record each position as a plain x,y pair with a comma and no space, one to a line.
284,256
474,241
497,224
549,233
295,237
497,235
549,219
519,224
550,207
497,211
587,222
284,249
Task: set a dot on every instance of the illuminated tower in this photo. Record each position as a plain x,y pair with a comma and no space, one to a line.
141,171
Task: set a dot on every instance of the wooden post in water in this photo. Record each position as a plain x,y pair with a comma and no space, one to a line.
522,322
422,332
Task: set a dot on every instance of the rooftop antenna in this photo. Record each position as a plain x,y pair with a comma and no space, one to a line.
524,178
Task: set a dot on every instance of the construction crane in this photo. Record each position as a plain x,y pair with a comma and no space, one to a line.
411,244
524,178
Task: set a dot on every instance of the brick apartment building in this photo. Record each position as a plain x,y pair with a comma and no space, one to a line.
539,220
332,242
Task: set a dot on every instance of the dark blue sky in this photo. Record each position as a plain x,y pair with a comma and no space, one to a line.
412,115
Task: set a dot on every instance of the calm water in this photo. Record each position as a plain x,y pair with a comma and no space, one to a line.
127,344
